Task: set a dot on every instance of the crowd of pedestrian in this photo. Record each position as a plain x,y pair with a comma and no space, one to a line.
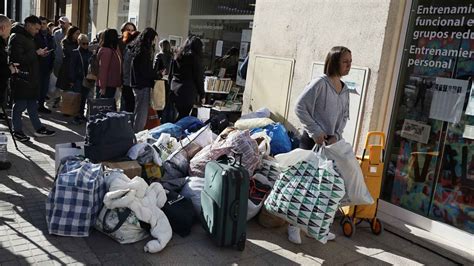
44,59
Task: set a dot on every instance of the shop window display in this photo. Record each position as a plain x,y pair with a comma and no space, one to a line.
430,154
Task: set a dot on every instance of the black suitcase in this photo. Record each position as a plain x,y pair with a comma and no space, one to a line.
224,202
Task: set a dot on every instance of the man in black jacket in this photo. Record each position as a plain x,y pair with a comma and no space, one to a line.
22,50
6,70
45,40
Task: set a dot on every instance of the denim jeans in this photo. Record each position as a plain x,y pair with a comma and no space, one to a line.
19,107
142,103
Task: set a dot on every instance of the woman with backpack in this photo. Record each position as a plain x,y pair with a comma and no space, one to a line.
78,72
110,65
142,74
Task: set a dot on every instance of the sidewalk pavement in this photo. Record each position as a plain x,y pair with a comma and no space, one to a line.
24,237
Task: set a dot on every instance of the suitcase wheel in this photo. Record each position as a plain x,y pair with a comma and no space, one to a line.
348,227
241,243
376,226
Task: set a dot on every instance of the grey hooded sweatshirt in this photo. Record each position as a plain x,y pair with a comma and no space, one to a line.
321,109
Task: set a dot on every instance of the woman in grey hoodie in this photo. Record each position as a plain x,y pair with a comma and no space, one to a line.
323,109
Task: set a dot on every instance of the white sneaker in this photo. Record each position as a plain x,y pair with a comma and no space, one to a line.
331,236
294,235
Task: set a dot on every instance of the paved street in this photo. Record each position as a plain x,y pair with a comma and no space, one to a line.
24,238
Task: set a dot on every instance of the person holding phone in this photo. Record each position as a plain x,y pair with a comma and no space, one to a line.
25,92
323,109
45,40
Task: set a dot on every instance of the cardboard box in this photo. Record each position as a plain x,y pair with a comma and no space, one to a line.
67,149
130,168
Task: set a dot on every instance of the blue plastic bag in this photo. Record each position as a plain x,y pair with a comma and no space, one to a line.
280,142
190,124
174,130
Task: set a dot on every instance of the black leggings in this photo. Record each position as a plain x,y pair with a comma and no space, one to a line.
183,110
128,99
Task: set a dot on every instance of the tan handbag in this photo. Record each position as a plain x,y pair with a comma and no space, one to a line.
158,96
70,103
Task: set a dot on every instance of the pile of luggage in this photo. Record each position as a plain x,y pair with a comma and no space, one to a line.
165,179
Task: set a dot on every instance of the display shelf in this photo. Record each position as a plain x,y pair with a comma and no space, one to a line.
217,92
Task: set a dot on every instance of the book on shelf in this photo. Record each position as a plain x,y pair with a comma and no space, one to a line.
215,84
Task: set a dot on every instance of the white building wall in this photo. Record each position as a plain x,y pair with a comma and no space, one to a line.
307,30
173,18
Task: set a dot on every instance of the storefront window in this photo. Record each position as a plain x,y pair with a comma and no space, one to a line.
430,156
113,13
221,37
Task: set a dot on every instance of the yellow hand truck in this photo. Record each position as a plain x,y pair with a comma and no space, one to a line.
371,162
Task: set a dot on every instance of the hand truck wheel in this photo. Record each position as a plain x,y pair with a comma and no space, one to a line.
376,226
348,227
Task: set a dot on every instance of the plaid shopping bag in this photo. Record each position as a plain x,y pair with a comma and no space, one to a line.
307,196
75,199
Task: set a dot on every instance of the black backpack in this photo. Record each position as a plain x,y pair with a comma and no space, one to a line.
180,213
218,123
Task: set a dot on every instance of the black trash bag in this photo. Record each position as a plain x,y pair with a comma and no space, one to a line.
108,136
180,213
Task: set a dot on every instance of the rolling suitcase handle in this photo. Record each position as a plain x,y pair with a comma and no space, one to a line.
231,160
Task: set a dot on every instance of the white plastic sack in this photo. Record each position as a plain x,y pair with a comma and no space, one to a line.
253,209
166,145
196,141
138,149
263,141
143,136
192,190
349,169
129,232
64,150
288,159
252,123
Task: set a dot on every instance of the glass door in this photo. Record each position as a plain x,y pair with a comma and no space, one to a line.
430,167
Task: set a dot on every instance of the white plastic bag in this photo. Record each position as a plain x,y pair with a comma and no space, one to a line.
253,209
288,159
120,224
64,150
166,145
349,169
263,141
192,190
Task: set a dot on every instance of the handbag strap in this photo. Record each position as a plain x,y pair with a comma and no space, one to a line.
122,215
82,63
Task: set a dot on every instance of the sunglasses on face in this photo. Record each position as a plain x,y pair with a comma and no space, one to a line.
84,43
